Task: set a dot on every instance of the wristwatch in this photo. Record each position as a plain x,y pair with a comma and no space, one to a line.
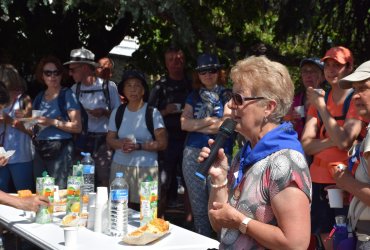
244,225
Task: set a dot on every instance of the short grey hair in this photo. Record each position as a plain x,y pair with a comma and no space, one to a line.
266,78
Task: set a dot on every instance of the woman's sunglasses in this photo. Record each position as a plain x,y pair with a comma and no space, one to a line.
210,71
238,99
51,72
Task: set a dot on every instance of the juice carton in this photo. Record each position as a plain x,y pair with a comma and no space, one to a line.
46,188
77,169
73,194
148,200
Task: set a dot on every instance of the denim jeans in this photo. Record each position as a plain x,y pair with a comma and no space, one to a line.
198,191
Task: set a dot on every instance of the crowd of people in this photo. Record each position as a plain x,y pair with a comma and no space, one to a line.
270,194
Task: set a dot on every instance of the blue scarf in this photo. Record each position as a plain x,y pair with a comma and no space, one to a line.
281,137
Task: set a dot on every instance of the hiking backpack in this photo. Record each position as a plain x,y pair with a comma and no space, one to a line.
148,118
105,90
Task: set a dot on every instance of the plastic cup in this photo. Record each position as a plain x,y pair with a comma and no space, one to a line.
36,113
70,236
101,195
300,110
335,197
131,137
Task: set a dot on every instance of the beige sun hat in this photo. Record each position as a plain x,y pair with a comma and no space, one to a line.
82,55
360,74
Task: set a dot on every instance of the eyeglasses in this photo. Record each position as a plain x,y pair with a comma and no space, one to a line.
51,72
72,70
210,71
238,98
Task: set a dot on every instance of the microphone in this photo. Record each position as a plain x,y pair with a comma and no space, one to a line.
225,131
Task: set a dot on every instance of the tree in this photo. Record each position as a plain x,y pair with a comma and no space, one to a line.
285,30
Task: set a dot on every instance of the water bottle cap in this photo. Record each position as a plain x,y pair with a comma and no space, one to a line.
119,174
85,154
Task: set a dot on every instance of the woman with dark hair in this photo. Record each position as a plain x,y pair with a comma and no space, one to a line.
53,133
203,114
135,145
14,136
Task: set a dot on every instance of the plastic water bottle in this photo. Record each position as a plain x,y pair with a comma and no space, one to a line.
88,173
341,232
2,247
118,206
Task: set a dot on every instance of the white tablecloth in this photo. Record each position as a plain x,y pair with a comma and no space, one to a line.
51,236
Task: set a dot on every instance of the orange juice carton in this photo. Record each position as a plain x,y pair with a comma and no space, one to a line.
73,194
45,213
148,200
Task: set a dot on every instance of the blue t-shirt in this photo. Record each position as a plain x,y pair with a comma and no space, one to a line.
202,109
51,110
14,139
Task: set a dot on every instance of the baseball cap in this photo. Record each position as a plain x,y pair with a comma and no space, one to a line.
360,74
313,60
339,54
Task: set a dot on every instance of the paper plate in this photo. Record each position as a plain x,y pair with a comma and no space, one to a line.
6,154
144,238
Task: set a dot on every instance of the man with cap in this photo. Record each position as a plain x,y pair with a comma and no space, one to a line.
312,75
168,96
359,185
332,126
98,97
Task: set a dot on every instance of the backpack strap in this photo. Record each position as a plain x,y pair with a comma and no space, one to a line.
148,118
78,90
345,108
346,104
106,93
105,89
62,104
119,115
326,97
38,99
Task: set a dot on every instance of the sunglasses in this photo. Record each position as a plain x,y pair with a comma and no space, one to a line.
51,72
72,70
238,99
210,71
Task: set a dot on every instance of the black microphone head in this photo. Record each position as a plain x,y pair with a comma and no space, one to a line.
228,126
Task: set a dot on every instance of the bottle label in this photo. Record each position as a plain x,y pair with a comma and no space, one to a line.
119,195
88,169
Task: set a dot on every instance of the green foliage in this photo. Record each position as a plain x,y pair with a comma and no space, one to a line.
283,30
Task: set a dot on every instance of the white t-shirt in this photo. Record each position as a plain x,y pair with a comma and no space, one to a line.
133,123
97,100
